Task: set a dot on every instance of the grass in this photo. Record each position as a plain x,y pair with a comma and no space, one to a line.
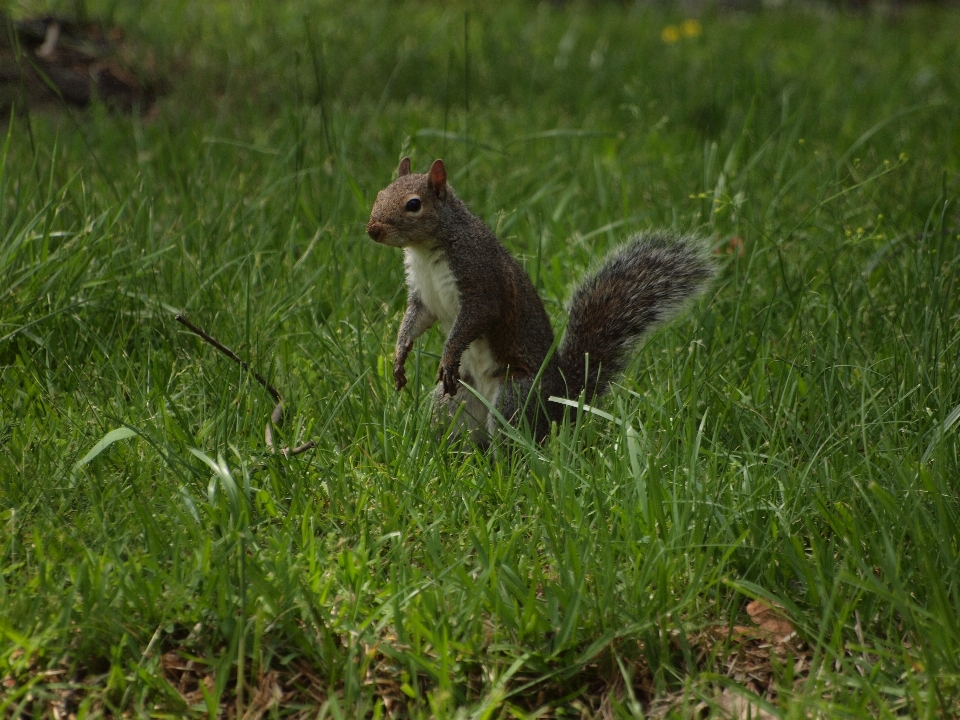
792,439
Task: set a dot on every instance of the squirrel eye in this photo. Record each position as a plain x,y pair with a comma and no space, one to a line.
414,204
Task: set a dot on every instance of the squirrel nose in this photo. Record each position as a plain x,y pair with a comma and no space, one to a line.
375,230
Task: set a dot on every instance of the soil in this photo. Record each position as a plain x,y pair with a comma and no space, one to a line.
53,61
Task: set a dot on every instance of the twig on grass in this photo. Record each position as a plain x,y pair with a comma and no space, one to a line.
276,417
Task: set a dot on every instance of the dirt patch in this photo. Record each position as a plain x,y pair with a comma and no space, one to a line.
52,61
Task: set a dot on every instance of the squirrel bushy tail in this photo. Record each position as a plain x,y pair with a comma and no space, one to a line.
638,286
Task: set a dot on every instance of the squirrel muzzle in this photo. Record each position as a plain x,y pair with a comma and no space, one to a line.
377,230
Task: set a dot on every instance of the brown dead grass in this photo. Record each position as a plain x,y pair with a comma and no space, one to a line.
751,659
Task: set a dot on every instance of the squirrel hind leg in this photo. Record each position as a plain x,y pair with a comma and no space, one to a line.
466,415
463,415
520,405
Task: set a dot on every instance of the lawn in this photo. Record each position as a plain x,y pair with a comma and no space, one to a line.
764,514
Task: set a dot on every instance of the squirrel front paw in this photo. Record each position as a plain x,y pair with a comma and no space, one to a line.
399,376
449,375
399,360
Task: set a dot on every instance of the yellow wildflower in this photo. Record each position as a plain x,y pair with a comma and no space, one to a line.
670,34
691,28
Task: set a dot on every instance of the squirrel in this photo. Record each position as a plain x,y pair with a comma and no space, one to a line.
499,340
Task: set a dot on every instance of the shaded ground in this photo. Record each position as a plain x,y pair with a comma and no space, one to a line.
50,60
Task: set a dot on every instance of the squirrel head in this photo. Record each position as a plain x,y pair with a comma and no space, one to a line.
408,211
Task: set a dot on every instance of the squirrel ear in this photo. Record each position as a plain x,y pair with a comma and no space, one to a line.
437,179
404,168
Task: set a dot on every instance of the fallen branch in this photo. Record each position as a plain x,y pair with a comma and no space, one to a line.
276,417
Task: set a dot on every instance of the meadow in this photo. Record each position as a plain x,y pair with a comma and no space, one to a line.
762,518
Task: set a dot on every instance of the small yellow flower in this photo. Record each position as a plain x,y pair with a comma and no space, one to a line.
691,28
670,34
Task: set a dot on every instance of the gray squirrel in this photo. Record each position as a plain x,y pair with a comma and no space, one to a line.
499,338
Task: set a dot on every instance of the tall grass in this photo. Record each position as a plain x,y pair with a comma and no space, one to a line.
793,438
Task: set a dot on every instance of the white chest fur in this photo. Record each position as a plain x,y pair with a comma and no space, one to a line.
429,274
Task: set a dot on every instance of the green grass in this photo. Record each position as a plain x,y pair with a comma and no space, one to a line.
793,438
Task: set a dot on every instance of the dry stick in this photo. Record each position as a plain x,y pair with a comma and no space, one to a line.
276,417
